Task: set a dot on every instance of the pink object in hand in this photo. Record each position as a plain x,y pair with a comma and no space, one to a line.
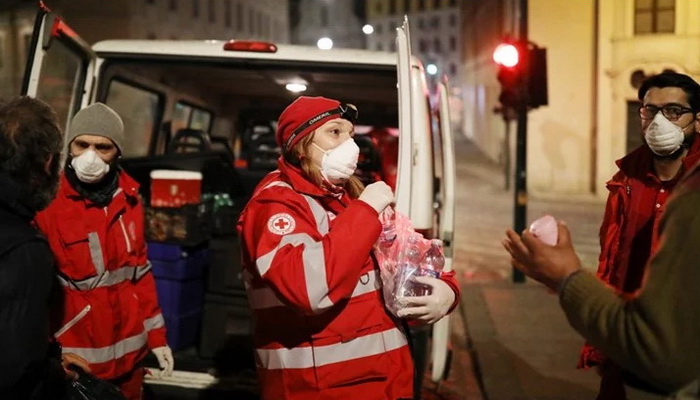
545,229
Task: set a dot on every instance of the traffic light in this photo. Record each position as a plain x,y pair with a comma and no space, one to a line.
508,57
522,74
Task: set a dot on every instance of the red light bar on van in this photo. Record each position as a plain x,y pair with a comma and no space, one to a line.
245,45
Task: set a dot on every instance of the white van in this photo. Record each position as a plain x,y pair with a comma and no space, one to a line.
184,100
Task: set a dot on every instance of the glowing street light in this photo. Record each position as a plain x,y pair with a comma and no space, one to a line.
506,55
431,69
368,29
325,43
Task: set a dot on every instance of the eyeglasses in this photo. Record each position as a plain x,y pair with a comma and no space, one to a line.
670,111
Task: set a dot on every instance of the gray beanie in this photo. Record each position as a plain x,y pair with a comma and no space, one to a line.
99,120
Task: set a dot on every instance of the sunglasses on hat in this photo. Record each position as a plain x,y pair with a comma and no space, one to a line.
345,111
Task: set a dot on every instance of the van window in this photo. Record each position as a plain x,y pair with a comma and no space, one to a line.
140,110
190,116
61,80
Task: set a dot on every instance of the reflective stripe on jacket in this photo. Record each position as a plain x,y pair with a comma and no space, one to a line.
109,304
321,329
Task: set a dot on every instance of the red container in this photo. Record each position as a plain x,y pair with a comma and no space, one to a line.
170,188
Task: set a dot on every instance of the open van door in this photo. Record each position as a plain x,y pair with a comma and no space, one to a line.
59,67
441,329
404,168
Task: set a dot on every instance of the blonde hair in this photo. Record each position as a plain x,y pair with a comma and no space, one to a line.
300,156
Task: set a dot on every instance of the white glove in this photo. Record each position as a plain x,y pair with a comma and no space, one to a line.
378,195
165,360
431,308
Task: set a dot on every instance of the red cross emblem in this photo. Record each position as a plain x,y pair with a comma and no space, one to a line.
281,224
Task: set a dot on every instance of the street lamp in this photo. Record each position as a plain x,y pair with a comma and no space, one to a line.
368,29
295,87
325,43
431,69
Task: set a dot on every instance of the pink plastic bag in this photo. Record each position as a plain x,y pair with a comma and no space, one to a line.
401,253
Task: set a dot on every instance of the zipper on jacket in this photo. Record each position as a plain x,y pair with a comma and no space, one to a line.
126,237
628,188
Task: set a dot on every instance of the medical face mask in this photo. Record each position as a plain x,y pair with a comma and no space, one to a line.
339,164
663,136
89,167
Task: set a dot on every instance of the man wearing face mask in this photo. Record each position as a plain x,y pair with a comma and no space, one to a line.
321,328
109,313
670,115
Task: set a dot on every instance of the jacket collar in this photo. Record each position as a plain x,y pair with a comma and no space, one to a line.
11,197
302,184
639,162
127,185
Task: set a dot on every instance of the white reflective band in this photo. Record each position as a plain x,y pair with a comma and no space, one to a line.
108,278
319,213
109,353
96,252
307,357
315,277
154,323
266,298
142,270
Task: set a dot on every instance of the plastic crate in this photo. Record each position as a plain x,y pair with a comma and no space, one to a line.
186,266
182,330
188,225
177,297
225,317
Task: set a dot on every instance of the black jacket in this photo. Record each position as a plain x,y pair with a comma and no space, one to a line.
26,279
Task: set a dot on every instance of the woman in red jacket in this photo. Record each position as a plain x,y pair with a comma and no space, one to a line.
321,328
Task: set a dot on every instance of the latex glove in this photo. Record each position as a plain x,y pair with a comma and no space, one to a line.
165,360
431,308
70,359
378,195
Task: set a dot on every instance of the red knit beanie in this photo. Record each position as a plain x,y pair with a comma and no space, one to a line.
304,116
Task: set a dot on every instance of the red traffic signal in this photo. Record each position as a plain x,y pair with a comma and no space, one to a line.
506,55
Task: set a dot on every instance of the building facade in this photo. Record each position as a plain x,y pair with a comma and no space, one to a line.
598,52
339,20
139,19
435,31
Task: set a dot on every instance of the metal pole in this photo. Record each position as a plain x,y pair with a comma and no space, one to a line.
520,212
506,151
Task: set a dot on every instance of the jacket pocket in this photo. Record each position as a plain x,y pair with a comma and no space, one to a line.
82,252
361,359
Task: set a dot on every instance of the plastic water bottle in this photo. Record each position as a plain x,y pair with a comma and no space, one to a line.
431,265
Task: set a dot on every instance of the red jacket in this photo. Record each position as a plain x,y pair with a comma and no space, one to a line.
100,254
321,329
617,212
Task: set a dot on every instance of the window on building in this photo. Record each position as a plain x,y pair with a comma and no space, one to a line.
392,46
435,4
195,8
324,16
406,6
227,13
453,43
150,1
654,16
422,46
421,24
172,5
392,7
212,11
436,44
421,5
261,27
379,7
453,3
453,20
453,69
251,21
239,17
435,22
379,46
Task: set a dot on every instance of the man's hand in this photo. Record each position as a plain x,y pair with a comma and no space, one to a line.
550,265
165,360
431,308
68,359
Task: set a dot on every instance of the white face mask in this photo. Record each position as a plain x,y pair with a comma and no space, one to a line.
663,136
89,167
339,164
